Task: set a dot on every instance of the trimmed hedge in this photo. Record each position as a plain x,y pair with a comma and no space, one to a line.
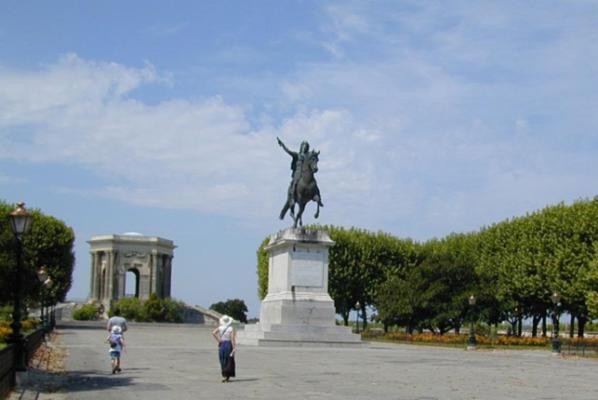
87,312
153,309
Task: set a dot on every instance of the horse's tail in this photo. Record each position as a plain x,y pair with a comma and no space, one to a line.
284,211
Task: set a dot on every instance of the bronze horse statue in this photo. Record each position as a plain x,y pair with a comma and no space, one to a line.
305,189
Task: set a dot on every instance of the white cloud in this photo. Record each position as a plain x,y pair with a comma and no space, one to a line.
449,119
180,154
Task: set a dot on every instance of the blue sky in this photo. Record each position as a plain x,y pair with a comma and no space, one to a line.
431,117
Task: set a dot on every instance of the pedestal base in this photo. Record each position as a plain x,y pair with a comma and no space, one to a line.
299,336
298,319
298,311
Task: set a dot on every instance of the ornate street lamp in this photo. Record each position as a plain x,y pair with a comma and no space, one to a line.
471,341
46,282
49,313
42,275
357,308
556,342
20,221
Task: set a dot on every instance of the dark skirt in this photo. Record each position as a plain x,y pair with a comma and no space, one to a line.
227,362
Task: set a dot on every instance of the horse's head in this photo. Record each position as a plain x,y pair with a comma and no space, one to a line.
313,161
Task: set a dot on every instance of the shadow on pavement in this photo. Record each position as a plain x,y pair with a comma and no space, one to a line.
80,381
235,380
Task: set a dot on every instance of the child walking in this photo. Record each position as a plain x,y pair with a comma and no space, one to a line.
117,345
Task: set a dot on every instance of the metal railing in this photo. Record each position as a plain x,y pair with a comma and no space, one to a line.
7,360
581,348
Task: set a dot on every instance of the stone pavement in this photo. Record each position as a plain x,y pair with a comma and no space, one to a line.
180,362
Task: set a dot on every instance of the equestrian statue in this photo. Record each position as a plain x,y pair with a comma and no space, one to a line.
303,187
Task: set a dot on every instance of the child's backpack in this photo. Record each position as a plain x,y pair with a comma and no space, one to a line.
114,340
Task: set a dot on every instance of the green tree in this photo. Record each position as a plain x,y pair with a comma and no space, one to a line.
49,243
262,269
234,308
400,301
512,267
523,260
345,271
590,280
448,269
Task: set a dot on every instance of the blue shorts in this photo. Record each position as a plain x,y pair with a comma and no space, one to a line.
114,354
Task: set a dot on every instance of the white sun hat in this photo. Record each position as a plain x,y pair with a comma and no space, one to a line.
226,320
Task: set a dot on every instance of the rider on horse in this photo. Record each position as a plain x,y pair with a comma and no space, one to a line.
296,166
300,160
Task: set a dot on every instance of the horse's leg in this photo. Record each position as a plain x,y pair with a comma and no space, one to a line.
293,215
300,213
318,201
318,197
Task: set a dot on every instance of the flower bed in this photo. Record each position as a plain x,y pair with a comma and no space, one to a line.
26,326
453,339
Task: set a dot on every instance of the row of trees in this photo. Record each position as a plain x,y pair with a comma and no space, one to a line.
49,243
511,268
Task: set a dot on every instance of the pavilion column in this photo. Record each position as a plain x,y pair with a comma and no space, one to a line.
109,276
92,277
153,267
167,274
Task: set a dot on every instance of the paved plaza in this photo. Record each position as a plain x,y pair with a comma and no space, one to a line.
180,362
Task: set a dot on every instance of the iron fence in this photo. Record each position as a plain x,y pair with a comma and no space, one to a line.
7,360
581,348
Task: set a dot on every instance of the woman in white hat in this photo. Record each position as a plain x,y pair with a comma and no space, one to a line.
225,335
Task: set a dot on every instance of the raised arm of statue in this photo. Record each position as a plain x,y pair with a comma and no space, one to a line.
281,144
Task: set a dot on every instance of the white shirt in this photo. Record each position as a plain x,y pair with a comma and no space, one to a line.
225,332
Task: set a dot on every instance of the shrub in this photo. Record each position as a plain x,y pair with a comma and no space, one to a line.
153,309
128,307
87,312
175,310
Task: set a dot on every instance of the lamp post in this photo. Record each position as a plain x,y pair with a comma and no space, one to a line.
471,341
42,275
46,282
49,313
556,342
357,308
20,221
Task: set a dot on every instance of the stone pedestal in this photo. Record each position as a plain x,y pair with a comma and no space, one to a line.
298,311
